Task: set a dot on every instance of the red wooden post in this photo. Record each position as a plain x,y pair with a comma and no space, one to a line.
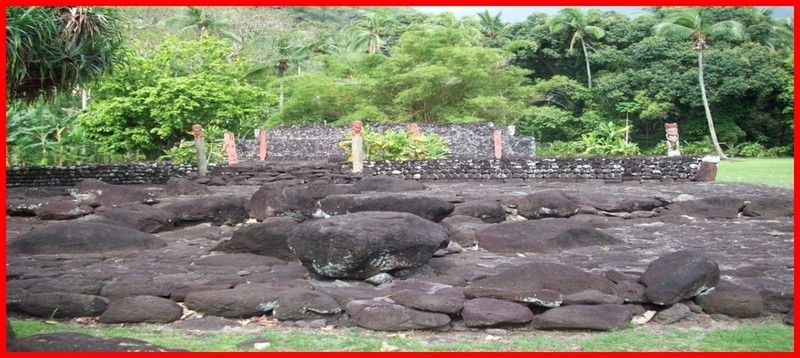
229,147
358,147
262,144
498,144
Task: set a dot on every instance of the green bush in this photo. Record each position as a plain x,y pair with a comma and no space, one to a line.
782,151
697,148
750,150
607,139
557,149
185,153
398,145
658,149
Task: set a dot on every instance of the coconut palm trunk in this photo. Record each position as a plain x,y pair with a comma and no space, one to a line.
586,57
711,129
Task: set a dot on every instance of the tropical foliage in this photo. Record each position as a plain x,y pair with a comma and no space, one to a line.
398,145
574,80
57,49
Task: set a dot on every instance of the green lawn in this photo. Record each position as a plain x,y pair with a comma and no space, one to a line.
770,171
758,336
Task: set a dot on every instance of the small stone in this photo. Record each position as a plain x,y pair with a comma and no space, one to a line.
643,318
261,346
454,248
380,279
317,323
719,317
243,273
496,331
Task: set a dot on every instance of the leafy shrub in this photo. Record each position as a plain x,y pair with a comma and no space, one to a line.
697,148
398,145
750,150
782,151
607,139
557,149
658,149
185,153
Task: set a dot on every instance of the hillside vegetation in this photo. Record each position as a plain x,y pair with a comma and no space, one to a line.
581,82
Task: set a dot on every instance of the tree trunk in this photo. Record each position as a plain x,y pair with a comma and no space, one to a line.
280,102
708,110
627,128
84,98
586,56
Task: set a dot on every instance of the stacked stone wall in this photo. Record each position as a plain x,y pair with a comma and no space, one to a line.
319,142
609,169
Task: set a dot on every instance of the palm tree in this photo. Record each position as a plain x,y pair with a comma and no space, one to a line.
52,49
465,29
689,25
490,25
203,22
577,23
369,27
781,34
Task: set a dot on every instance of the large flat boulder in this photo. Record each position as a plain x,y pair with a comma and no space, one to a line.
548,204
268,238
144,218
732,300
82,237
305,304
542,236
715,207
215,209
448,301
63,305
79,342
62,210
385,316
542,284
491,312
769,207
68,283
181,186
141,309
677,276
427,207
488,210
95,193
291,198
234,303
584,317
384,183
364,244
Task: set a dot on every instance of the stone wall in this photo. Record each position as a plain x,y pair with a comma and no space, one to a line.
319,142
135,173
609,169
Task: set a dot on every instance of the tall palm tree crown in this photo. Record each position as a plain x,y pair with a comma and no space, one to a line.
370,27
205,23
577,23
51,49
689,24
491,25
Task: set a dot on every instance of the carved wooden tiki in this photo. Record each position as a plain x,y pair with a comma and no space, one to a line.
673,143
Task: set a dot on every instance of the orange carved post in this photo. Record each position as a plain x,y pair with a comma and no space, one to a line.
358,147
229,146
200,146
262,144
415,132
498,144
